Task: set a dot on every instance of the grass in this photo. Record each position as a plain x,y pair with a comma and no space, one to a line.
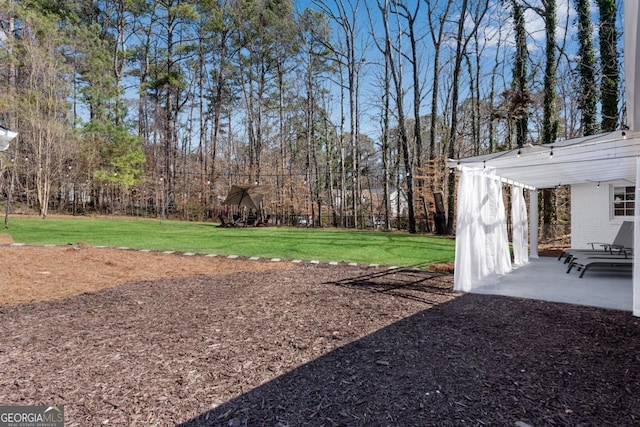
327,244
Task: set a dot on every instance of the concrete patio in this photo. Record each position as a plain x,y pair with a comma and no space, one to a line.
545,278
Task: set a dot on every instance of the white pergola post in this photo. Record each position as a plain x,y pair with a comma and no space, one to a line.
533,223
631,62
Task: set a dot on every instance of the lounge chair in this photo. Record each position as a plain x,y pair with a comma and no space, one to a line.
223,222
611,262
621,243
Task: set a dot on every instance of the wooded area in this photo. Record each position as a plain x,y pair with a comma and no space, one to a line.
343,110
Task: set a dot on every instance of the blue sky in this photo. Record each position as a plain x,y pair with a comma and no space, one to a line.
496,32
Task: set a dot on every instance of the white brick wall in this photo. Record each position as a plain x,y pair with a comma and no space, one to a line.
591,216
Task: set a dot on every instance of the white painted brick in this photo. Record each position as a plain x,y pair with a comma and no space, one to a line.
591,217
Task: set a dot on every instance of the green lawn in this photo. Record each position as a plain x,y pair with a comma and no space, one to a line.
328,244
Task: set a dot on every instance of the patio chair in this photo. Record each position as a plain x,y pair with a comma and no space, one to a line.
615,262
238,220
621,243
223,222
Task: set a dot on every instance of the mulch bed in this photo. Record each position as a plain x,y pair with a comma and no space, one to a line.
319,345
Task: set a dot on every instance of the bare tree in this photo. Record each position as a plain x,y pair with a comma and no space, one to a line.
43,85
345,15
395,69
462,41
411,18
8,96
437,16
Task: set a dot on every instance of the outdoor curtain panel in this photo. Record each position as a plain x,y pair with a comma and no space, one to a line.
482,246
520,231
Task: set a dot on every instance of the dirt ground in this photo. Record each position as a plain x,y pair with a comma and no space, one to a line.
130,338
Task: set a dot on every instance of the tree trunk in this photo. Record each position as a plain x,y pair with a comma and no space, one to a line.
453,133
550,114
610,69
396,76
520,99
587,100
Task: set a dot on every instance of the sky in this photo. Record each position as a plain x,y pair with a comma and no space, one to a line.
496,32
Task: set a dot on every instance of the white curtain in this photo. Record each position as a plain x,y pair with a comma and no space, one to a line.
6,136
636,246
520,233
482,246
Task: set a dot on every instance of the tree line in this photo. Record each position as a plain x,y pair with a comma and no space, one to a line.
342,111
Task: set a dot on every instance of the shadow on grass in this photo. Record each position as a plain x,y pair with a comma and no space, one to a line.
474,360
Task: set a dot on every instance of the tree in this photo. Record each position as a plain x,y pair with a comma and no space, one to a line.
316,66
43,81
521,98
411,18
345,15
167,83
550,114
550,118
494,110
220,24
587,101
462,41
120,154
395,69
7,97
385,123
437,32
243,90
109,147
610,69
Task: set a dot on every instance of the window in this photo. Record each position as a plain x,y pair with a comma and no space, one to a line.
624,201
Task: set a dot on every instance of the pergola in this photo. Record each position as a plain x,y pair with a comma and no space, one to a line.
600,158
481,241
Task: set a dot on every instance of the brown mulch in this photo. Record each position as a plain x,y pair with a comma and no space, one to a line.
258,343
44,273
